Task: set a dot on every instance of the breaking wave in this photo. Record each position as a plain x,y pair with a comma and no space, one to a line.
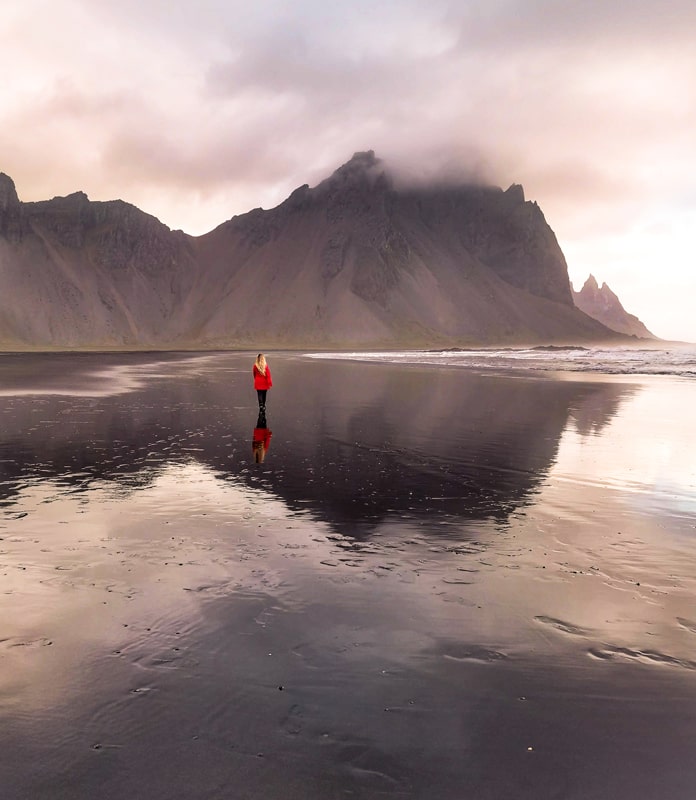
677,361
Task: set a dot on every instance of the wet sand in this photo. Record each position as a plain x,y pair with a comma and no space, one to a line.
436,584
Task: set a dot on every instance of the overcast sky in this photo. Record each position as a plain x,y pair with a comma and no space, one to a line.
199,110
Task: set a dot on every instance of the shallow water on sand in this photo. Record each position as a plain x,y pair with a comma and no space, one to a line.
432,583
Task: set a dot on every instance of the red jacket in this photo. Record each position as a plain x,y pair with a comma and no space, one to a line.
261,436
262,381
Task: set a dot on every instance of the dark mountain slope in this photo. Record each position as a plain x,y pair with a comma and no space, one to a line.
353,261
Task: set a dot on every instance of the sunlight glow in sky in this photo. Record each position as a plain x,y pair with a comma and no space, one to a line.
198,113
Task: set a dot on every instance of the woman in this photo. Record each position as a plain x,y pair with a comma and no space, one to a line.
262,379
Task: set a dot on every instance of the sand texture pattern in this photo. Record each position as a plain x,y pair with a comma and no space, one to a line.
437,584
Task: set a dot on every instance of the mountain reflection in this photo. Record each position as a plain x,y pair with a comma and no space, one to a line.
353,444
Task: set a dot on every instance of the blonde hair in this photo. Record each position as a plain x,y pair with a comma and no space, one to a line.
261,363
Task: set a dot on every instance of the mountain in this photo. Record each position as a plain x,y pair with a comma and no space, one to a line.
603,305
356,261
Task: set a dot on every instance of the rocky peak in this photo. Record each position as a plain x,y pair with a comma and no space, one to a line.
598,297
355,190
67,217
603,305
363,171
10,209
360,163
609,298
8,193
515,193
591,284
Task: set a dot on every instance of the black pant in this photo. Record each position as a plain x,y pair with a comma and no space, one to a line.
262,397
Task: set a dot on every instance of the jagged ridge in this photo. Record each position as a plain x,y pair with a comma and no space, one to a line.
352,261
603,305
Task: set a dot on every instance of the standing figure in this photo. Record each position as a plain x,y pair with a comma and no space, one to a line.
262,379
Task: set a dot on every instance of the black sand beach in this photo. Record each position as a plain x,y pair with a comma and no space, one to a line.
437,584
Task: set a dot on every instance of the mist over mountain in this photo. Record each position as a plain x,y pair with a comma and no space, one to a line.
354,261
602,304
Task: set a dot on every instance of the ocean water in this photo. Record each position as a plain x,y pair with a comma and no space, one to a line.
434,581
680,361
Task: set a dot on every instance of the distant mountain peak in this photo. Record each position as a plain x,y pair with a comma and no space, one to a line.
603,305
363,159
363,165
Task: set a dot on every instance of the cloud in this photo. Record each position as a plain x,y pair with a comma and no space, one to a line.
523,24
265,95
198,116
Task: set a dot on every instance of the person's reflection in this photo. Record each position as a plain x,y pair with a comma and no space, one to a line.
261,438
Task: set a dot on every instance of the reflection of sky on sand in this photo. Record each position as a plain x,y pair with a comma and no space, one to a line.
356,445
29,376
84,567
585,556
514,539
617,515
646,456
